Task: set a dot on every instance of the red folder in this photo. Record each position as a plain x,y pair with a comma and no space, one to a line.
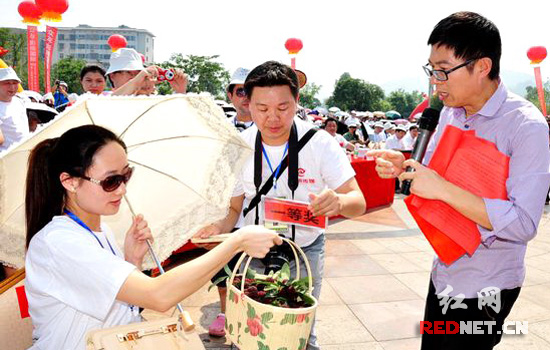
473,164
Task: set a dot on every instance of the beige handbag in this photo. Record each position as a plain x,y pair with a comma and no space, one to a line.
173,333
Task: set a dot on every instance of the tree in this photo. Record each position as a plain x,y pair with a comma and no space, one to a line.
308,95
404,102
68,69
531,94
350,94
205,74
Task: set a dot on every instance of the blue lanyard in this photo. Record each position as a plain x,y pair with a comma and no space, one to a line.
81,223
278,168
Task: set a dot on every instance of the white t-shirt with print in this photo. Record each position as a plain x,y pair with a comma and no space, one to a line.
14,123
394,143
71,284
321,164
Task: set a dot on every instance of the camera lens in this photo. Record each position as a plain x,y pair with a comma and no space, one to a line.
277,257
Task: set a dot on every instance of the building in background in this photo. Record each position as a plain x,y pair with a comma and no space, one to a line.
90,43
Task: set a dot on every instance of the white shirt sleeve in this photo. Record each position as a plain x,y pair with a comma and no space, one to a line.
74,269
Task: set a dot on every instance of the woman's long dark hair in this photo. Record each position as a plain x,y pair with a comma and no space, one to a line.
71,153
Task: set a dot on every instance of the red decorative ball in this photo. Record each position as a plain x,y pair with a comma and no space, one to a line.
53,9
30,12
116,42
537,54
293,45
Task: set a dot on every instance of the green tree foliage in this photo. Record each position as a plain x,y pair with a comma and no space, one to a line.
17,45
356,94
436,103
205,74
532,95
404,102
68,69
308,95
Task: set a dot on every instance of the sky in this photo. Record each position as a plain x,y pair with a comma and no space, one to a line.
378,41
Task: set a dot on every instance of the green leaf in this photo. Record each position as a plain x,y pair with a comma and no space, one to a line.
262,336
307,299
282,349
231,329
216,282
266,317
302,345
261,346
246,330
227,270
285,272
251,313
251,273
239,324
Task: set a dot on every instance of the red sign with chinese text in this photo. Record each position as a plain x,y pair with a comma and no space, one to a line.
32,58
51,36
291,212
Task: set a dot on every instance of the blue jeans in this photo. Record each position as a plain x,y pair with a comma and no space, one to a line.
315,253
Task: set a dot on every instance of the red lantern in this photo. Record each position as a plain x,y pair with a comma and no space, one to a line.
53,9
30,12
293,45
536,54
3,51
116,42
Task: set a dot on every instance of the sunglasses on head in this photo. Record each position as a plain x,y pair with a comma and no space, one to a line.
240,92
111,183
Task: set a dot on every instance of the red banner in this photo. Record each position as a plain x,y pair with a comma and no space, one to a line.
32,58
540,90
291,212
51,35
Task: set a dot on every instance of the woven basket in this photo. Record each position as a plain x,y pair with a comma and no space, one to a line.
251,325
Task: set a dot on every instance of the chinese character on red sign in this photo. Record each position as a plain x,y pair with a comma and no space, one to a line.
291,212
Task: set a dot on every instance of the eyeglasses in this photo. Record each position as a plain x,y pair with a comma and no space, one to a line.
240,92
111,183
443,75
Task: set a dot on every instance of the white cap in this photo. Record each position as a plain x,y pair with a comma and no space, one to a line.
401,128
378,125
31,94
8,74
124,59
48,96
239,76
389,126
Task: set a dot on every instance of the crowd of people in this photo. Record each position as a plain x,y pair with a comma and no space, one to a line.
75,179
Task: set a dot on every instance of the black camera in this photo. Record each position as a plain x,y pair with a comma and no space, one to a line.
277,257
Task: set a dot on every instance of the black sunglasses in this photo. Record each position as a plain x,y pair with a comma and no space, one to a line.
240,92
111,183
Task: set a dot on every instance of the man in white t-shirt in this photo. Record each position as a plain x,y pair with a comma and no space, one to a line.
326,179
410,138
379,135
235,92
395,141
331,125
14,124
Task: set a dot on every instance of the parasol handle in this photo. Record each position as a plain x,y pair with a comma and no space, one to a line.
185,318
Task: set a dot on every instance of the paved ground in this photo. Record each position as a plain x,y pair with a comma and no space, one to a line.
376,278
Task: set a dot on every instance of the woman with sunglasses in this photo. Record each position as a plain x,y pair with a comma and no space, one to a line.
77,278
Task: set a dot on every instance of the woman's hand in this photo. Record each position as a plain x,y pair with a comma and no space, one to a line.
205,232
256,240
135,243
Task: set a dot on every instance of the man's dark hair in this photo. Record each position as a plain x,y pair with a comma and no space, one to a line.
328,120
91,68
272,73
471,36
230,88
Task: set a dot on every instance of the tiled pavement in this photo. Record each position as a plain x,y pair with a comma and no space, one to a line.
376,278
